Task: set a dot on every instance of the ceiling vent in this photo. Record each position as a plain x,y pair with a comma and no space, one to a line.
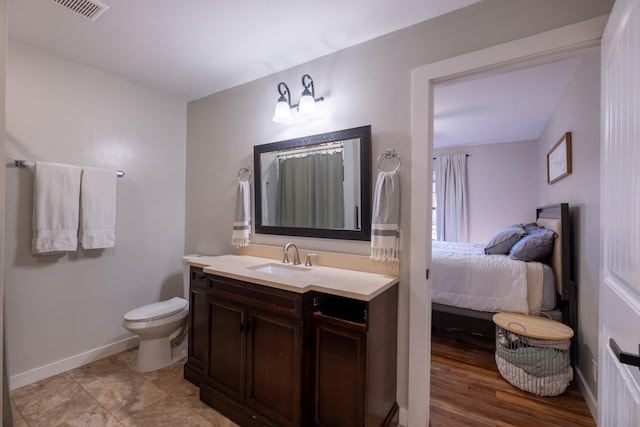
90,9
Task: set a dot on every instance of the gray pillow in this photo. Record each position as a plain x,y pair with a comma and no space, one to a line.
535,246
531,226
503,239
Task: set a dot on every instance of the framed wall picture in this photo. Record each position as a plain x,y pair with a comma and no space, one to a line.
559,159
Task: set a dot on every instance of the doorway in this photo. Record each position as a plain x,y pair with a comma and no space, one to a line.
561,43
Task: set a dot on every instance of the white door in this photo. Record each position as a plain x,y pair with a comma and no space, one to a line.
619,383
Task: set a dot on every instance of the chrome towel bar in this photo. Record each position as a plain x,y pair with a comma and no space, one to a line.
25,164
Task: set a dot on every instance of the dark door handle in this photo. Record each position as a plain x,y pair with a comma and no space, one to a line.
623,357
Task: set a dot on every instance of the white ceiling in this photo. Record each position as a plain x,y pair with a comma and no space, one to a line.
191,49
508,107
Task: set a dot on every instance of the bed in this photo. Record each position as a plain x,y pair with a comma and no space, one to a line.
468,287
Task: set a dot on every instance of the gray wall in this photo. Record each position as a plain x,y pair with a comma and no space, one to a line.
367,84
502,185
579,113
65,310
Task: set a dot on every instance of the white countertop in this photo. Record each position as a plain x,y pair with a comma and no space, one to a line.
336,281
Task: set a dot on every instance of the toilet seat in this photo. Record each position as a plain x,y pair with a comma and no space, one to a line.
157,310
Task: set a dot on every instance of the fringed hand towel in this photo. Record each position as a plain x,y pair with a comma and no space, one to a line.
242,218
56,204
98,208
385,221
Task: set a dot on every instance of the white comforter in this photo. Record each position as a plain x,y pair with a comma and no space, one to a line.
463,276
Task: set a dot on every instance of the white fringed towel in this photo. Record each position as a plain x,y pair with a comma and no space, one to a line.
98,208
242,218
56,200
385,221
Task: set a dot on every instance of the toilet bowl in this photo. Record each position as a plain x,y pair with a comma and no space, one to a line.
159,325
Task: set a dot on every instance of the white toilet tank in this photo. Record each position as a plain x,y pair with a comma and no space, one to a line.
185,273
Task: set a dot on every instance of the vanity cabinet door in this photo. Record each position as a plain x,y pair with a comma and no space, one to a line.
227,348
274,368
198,348
339,376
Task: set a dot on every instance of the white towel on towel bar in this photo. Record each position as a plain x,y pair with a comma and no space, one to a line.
56,198
385,218
98,208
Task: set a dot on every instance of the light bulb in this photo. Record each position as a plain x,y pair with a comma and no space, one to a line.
282,112
307,104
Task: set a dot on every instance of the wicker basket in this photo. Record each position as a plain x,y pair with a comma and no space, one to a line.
530,354
543,371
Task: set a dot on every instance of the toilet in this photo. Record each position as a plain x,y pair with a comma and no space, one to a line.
160,326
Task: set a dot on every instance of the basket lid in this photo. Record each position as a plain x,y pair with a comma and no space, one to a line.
533,326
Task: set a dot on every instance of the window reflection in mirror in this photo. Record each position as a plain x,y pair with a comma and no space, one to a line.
316,186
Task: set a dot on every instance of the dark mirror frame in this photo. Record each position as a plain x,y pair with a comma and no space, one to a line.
364,134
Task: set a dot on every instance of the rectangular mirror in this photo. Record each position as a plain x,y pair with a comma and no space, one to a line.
315,186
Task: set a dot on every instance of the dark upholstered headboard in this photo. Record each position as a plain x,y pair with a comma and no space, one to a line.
557,218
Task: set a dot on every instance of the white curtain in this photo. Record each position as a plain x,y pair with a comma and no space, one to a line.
452,211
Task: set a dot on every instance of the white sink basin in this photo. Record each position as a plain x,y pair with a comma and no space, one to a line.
279,269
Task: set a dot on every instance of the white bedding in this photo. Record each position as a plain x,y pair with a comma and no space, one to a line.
463,276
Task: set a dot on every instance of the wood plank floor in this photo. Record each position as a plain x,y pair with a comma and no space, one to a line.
467,390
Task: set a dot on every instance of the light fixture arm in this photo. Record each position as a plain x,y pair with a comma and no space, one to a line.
283,90
309,85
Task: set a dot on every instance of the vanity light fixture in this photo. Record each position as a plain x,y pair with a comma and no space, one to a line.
306,105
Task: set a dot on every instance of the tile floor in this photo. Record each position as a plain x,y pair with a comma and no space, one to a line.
109,392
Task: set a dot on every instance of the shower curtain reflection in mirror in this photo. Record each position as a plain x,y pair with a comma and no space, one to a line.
310,191
315,186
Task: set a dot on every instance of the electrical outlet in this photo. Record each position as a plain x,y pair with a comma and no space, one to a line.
594,370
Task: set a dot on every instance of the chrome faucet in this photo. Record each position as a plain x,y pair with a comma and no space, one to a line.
296,255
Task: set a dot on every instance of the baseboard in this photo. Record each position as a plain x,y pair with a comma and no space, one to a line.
46,371
589,398
404,417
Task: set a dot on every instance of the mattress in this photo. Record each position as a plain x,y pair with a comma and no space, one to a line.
463,276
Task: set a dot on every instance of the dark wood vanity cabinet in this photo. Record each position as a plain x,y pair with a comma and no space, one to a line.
268,357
